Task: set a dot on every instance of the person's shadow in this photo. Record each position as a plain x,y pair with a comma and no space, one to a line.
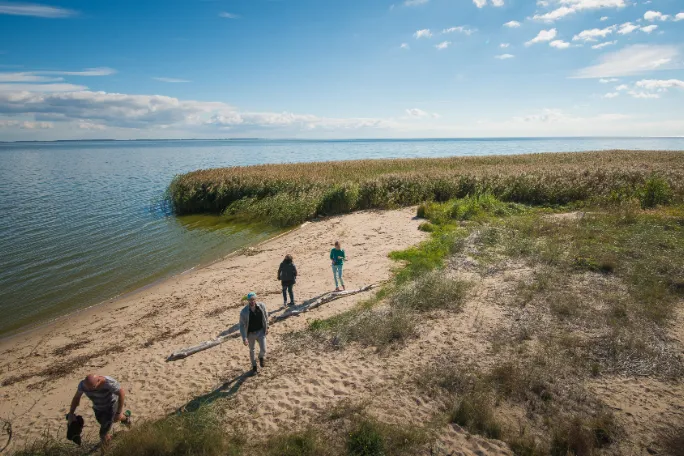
225,391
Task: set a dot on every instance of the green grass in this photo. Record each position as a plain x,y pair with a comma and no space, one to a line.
189,434
287,194
474,412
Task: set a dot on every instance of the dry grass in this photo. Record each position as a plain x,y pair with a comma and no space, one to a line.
291,193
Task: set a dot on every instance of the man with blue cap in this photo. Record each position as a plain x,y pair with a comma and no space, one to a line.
254,328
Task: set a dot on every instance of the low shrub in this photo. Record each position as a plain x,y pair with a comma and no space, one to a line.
304,443
189,434
475,413
432,290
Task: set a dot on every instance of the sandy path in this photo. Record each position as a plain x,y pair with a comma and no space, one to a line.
130,338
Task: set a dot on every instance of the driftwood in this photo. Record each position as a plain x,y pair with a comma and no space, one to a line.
234,331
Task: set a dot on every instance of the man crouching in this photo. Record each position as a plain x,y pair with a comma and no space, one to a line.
108,402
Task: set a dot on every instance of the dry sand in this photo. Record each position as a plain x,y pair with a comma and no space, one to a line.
130,338
300,382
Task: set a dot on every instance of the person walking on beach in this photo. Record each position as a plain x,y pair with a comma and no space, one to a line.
337,257
108,402
287,274
254,328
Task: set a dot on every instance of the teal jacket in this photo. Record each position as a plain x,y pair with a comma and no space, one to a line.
337,256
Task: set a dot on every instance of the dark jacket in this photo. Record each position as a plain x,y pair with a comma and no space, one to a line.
287,271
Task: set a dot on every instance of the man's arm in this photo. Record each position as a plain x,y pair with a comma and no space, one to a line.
74,405
122,398
280,270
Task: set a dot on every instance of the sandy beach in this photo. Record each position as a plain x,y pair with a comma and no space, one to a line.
129,338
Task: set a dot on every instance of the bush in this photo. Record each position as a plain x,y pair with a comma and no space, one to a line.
655,191
366,439
305,443
474,412
672,441
49,446
433,290
196,433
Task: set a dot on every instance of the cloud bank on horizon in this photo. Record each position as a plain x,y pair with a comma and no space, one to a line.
416,68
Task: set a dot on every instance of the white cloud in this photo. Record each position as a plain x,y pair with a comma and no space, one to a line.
649,28
26,77
32,9
504,56
415,2
554,15
100,71
644,95
660,84
229,15
424,33
25,125
115,110
544,35
37,76
679,17
460,29
604,18
443,45
611,95
83,125
635,59
593,34
568,7
498,3
627,28
655,16
602,45
404,46
480,3
504,45
171,80
558,116
607,81
559,44
622,87
41,87
415,112
512,24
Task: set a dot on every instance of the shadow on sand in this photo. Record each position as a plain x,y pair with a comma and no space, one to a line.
225,391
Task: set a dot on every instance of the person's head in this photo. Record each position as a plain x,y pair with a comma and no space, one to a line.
93,382
251,298
288,258
337,244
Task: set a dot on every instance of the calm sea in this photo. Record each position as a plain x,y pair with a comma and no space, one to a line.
81,222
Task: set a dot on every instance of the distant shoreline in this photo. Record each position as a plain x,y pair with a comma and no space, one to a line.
489,138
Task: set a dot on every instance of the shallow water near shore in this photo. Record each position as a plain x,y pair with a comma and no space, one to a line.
83,222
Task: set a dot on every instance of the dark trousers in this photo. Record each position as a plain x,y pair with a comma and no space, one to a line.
106,419
287,288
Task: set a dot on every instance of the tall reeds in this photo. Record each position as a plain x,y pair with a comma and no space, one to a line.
291,193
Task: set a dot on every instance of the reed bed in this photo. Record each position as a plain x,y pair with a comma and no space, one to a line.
288,194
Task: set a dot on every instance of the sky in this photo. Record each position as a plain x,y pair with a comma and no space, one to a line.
85,69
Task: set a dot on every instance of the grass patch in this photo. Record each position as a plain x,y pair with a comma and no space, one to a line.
309,442
195,433
291,193
474,411
368,437
432,290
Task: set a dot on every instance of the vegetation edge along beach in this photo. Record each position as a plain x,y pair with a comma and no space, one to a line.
287,194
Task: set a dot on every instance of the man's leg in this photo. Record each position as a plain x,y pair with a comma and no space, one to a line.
251,338
334,268
284,293
340,272
106,419
289,289
262,346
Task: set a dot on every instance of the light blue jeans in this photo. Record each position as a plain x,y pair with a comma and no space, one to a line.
337,273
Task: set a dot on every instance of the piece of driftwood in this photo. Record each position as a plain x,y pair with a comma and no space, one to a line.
234,331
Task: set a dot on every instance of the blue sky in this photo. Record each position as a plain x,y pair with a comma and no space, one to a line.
340,69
